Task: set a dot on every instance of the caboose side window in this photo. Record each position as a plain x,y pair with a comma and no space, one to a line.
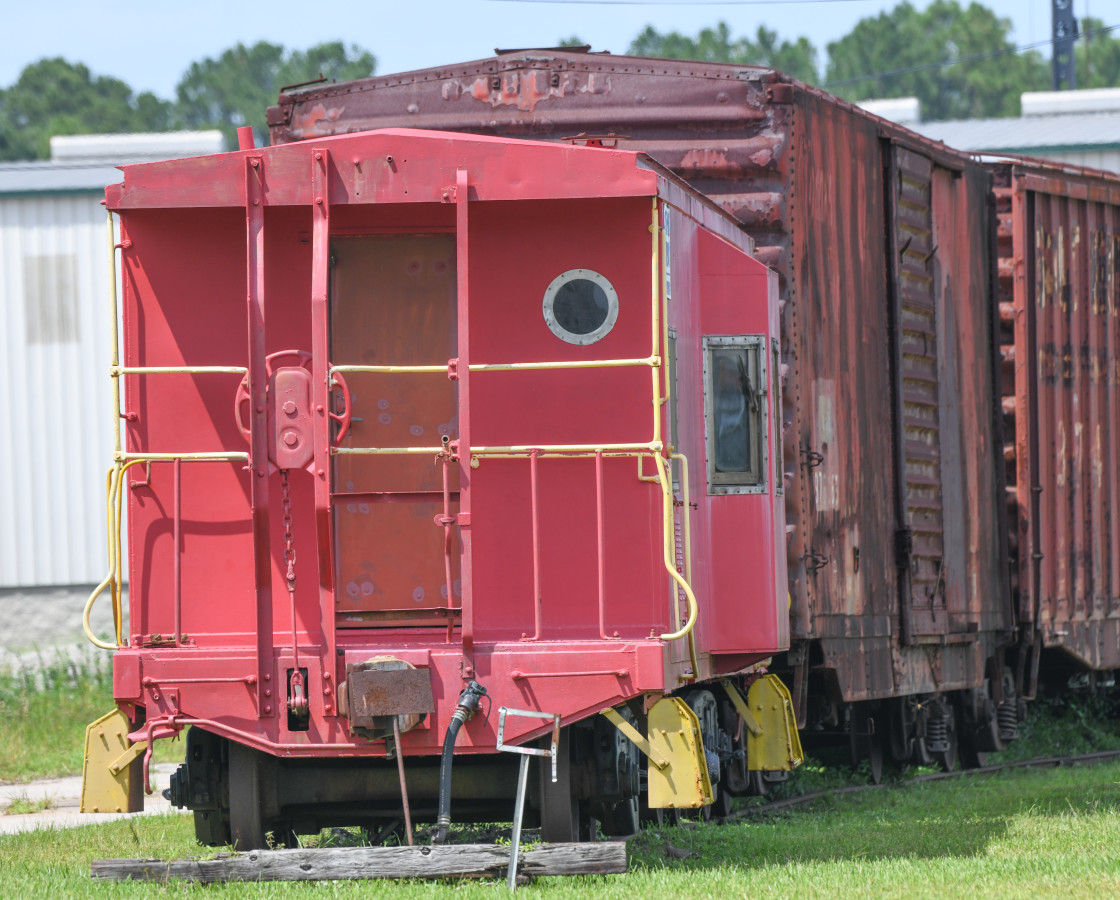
735,392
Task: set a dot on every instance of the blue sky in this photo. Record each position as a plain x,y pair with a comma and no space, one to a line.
149,44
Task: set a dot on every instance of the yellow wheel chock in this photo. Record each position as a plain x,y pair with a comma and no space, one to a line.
110,781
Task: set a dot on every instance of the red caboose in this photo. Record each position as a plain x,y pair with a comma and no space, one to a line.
407,413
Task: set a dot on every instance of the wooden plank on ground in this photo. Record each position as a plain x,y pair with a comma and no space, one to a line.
348,863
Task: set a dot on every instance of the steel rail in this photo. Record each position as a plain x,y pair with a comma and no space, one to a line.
1054,762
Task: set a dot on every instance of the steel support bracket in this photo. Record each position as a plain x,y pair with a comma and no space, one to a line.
744,710
110,781
635,737
122,762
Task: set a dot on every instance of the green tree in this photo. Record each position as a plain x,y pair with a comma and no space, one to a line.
574,41
907,53
236,88
1097,55
54,96
797,58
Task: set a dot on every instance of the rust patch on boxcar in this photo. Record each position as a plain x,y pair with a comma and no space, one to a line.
521,90
317,119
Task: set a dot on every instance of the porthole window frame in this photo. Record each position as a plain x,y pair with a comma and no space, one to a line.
570,337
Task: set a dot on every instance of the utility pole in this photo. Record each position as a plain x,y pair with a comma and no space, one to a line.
1063,31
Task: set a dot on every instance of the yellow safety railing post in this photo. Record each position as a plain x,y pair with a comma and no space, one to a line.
122,461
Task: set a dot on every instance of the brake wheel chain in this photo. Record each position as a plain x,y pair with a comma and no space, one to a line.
297,690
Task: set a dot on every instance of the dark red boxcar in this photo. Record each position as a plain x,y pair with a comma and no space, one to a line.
1059,246
883,242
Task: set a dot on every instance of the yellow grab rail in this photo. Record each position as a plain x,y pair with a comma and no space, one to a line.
654,361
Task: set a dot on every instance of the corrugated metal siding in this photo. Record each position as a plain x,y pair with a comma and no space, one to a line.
1108,160
1060,270
55,442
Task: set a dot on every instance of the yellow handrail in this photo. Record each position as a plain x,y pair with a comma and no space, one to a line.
659,326
655,447
654,361
114,371
123,461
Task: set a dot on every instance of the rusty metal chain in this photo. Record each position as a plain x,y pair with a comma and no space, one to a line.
297,692
289,542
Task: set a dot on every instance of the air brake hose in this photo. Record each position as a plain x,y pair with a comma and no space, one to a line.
469,699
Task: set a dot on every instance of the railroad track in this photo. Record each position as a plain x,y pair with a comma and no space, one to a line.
1041,762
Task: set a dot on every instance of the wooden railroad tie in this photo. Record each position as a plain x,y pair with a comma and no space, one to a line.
351,863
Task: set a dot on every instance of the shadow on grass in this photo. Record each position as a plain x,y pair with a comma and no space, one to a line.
958,819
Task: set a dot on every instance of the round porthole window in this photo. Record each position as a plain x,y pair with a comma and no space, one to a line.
580,306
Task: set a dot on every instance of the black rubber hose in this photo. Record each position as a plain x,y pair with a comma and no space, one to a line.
469,699
443,817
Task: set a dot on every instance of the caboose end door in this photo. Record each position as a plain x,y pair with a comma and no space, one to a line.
392,309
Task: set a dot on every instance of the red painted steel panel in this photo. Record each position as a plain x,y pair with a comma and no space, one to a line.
1059,299
809,177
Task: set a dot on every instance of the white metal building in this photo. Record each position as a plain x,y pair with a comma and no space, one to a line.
1077,127
55,409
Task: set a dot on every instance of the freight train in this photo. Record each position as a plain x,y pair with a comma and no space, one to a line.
555,460
911,631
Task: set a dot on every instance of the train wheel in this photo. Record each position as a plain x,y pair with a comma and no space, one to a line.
562,820
970,757
866,739
246,821
621,819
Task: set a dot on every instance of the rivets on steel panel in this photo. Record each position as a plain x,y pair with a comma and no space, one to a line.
255,163
267,677
268,693
319,200
327,690
267,708
318,155
321,473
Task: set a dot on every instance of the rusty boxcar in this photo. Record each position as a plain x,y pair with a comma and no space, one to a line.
416,422
1059,289
901,615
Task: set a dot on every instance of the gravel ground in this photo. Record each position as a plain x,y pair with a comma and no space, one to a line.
64,796
40,624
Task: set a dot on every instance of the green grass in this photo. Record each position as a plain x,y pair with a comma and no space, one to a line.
23,805
45,712
1066,723
1029,834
